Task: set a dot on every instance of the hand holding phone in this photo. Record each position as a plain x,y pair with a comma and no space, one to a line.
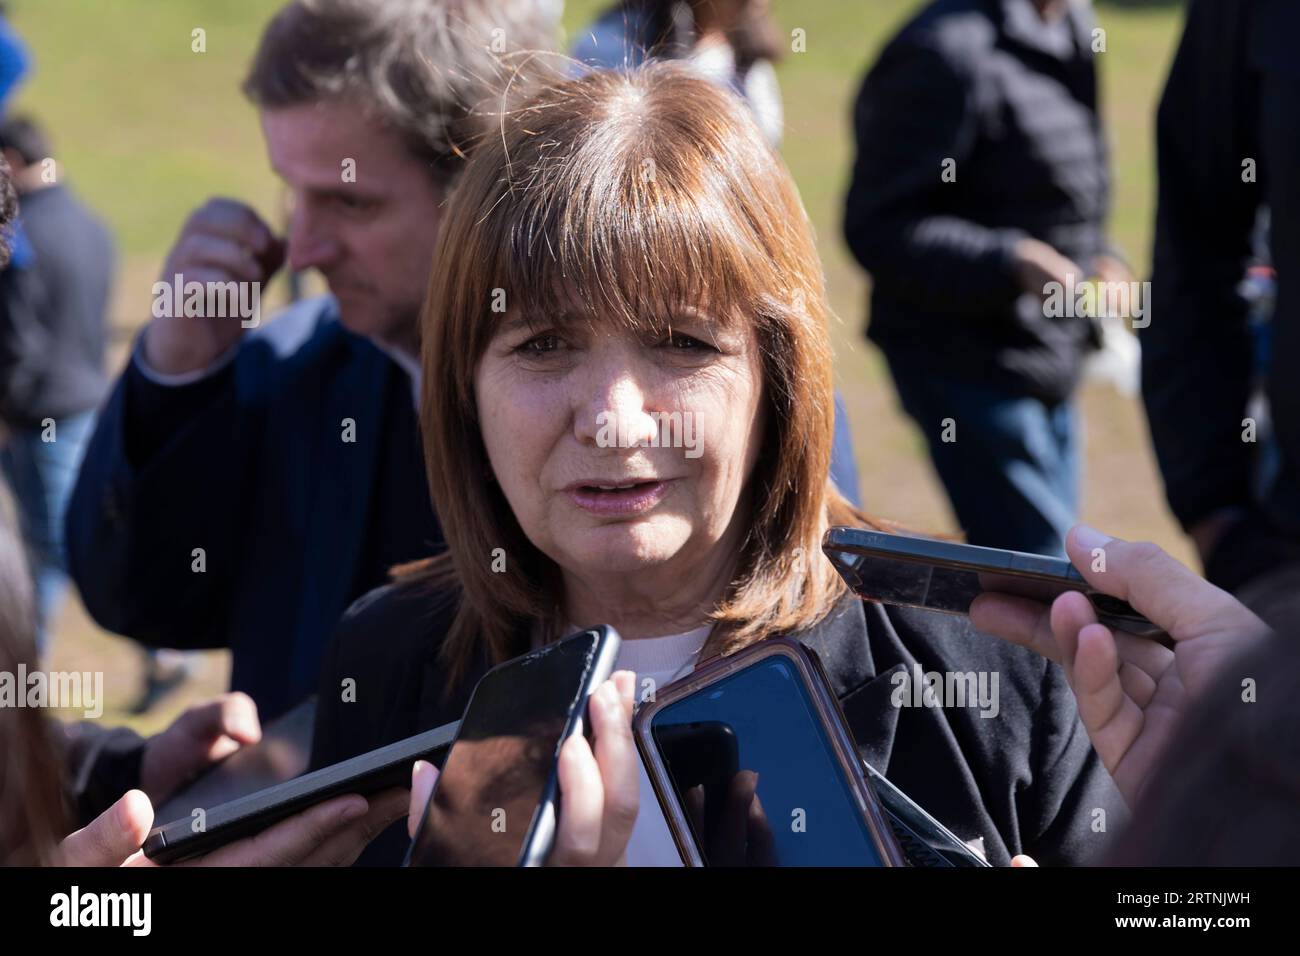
520,750
753,765
949,576
1206,625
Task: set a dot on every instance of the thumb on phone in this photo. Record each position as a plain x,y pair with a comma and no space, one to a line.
1155,583
423,776
113,836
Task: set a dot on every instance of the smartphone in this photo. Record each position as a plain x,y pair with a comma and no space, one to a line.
753,764
203,830
925,841
282,754
948,576
497,798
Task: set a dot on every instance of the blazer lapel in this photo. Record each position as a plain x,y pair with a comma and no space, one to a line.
843,643
873,718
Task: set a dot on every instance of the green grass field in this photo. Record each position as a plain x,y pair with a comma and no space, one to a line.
147,130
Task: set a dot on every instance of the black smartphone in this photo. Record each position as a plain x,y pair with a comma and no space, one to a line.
948,576
496,800
204,830
753,765
281,754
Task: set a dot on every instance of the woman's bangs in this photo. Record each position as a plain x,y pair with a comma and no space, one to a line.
618,254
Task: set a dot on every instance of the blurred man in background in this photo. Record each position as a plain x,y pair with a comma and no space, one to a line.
54,299
242,489
1229,144
980,192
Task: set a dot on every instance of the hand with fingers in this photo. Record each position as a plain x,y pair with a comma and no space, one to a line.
1131,691
223,241
203,735
599,791
332,833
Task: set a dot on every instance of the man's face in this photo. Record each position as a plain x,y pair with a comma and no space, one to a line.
365,212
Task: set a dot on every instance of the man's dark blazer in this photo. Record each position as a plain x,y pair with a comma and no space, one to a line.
1026,781
250,465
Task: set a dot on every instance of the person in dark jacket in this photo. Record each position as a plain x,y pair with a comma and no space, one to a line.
54,301
553,525
241,489
977,204
1229,144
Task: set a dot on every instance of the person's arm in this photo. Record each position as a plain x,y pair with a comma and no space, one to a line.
1196,351
162,476
153,527
102,763
913,114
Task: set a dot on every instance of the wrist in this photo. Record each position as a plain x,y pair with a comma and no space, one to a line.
167,357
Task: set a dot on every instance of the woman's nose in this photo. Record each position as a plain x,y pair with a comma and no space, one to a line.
616,414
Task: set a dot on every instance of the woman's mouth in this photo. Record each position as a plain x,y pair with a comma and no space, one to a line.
611,500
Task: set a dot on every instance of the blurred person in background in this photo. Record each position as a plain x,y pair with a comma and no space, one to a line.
1228,138
734,44
54,302
980,189
241,490
55,776
15,61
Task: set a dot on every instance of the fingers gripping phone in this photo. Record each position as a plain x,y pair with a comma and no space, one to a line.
497,799
753,765
204,829
948,576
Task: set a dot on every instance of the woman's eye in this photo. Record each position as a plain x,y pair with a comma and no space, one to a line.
539,345
679,341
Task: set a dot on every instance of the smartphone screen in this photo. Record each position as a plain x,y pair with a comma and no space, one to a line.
500,771
756,776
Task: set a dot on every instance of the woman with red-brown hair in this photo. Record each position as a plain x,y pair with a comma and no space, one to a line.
627,419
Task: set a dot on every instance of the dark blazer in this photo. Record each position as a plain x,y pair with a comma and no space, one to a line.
985,85
1233,94
250,465
1026,781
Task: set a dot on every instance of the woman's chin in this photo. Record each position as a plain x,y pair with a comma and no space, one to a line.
626,547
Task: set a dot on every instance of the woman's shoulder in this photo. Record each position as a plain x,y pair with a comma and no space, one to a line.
380,670
395,624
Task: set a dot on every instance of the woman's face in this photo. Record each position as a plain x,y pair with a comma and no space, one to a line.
622,451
